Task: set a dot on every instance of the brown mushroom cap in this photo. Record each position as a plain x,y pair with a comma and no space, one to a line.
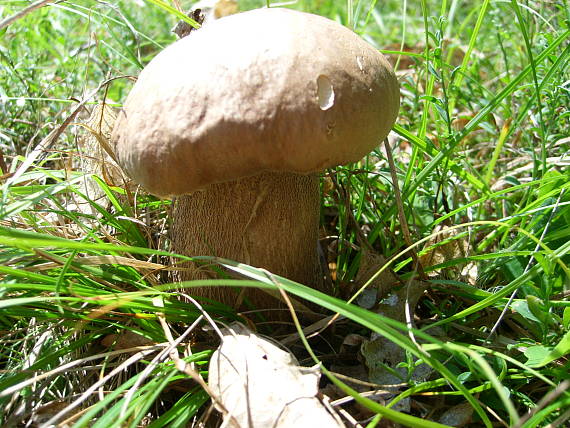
265,90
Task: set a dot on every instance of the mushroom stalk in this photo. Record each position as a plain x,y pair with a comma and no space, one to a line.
270,220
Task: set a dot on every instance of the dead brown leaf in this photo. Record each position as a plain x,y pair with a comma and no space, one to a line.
261,385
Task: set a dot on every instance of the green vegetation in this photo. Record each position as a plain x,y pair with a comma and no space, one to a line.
481,233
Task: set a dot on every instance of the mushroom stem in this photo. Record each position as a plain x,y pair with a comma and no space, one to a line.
270,220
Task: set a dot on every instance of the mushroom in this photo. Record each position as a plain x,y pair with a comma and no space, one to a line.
238,119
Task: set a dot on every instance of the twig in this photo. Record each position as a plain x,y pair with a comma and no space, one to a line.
400,206
546,400
188,369
528,266
40,3
159,358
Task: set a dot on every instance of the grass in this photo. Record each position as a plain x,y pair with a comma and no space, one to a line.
480,154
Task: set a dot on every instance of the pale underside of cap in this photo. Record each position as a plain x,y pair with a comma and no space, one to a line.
265,90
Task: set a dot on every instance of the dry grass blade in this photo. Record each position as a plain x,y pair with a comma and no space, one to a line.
100,125
87,393
75,363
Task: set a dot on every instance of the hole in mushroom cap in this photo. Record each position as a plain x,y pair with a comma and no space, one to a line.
325,92
360,62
